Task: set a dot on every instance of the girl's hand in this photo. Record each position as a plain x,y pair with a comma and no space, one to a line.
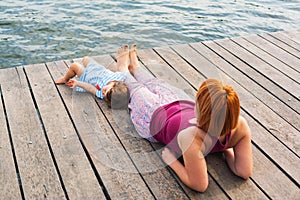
72,83
168,156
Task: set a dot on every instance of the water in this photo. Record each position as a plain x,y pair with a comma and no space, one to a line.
34,31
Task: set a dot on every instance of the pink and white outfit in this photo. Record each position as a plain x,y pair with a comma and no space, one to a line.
147,94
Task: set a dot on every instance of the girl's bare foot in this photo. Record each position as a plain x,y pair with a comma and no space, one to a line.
134,62
122,58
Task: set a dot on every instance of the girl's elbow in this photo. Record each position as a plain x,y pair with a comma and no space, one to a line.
201,188
246,175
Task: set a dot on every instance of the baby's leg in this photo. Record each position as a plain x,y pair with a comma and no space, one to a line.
74,69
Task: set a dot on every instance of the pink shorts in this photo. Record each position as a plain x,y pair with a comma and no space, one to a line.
147,93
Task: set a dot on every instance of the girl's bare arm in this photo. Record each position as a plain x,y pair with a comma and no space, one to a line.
194,171
239,158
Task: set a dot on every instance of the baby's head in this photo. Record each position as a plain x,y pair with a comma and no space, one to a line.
118,96
217,108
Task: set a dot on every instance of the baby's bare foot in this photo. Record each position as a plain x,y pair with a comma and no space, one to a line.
122,58
60,81
134,62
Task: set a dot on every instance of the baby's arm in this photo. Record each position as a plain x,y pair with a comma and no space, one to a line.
88,87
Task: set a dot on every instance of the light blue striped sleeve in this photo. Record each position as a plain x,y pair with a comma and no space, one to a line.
123,76
99,94
119,76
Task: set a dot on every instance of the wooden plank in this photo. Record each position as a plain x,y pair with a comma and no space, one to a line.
157,67
263,52
293,35
9,188
261,67
263,172
286,45
279,53
276,152
234,186
281,36
256,84
72,162
217,173
272,180
145,158
37,171
193,58
274,123
104,148
180,66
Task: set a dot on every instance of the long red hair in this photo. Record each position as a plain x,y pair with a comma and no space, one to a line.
218,108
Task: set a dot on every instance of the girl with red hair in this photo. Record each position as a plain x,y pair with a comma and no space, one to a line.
191,129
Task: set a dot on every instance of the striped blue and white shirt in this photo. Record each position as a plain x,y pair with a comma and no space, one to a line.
96,74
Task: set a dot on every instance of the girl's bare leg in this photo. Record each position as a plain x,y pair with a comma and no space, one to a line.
139,73
134,62
74,69
122,58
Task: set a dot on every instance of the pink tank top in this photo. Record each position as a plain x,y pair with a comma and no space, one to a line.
168,120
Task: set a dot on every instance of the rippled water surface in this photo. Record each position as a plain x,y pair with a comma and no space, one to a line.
34,31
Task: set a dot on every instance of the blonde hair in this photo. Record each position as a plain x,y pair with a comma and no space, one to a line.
118,96
218,108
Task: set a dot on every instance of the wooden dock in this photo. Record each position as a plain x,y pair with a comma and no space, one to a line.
58,144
